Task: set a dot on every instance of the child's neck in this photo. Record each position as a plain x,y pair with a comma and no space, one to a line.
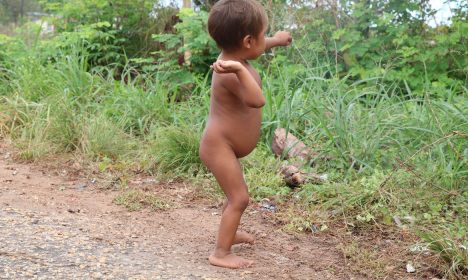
233,55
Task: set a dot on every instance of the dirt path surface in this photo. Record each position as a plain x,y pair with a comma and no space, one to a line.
53,226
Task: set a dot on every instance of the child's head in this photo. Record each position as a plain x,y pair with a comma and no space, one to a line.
232,22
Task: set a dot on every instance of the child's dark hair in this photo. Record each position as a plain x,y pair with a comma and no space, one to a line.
231,20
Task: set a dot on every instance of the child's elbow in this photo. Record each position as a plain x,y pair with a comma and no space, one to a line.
258,103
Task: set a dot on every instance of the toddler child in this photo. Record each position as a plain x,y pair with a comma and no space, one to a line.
233,127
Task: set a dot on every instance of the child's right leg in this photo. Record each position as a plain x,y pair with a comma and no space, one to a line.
225,166
241,236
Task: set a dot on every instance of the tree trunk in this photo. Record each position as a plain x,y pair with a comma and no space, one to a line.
21,10
187,54
187,4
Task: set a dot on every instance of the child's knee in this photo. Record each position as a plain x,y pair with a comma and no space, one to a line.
239,203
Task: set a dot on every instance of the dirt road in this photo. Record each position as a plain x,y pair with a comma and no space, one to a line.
56,226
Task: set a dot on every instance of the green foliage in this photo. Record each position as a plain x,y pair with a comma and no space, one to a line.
261,175
389,39
190,36
102,138
14,10
111,30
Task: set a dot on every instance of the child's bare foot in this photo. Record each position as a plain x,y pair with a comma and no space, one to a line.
229,261
244,237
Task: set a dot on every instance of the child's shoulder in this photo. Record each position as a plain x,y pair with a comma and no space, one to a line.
226,80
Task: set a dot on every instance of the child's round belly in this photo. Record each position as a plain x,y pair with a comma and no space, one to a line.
242,137
244,142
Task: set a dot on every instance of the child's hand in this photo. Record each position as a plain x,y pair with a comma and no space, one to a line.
227,66
283,38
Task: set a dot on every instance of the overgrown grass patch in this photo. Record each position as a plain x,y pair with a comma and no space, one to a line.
102,138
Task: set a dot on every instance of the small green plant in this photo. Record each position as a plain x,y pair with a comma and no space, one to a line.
135,200
298,217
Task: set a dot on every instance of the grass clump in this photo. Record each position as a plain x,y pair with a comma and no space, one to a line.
364,261
261,171
451,248
135,200
175,150
101,138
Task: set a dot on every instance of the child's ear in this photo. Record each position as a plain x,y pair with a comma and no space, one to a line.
247,41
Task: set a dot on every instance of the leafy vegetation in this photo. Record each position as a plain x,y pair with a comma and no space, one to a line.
369,85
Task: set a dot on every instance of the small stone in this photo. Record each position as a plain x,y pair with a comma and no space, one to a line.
81,186
397,221
96,275
268,206
410,268
291,247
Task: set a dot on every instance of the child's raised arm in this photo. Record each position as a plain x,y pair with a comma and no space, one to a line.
242,84
281,38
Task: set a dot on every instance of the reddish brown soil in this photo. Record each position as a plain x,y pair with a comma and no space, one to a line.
57,224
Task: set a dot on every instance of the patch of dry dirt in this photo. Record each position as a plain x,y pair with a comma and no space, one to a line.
54,226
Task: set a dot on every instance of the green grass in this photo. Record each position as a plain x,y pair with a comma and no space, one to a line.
390,155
